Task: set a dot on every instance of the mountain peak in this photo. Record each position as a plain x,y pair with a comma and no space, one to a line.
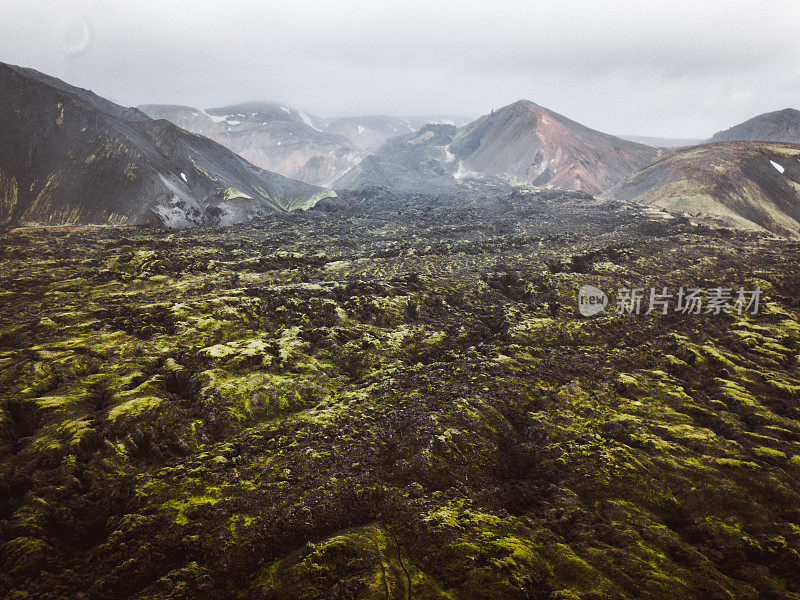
526,142
523,102
520,105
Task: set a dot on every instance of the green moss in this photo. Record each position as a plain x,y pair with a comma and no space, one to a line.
736,464
182,507
717,357
25,556
573,572
134,407
9,196
769,453
366,554
283,429
736,394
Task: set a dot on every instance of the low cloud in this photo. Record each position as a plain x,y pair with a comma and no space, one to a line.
672,69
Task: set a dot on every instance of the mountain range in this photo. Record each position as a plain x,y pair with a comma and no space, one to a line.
68,156
272,136
288,140
522,143
747,176
660,142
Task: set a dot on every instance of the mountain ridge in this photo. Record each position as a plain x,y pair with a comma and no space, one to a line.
752,185
68,156
290,141
521,143
776,126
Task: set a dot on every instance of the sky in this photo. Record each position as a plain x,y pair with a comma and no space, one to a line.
670,68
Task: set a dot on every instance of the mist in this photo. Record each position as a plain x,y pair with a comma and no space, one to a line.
675,69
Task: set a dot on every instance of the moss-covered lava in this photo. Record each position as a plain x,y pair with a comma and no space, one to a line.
392,397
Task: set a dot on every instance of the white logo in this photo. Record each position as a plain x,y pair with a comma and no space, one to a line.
591,300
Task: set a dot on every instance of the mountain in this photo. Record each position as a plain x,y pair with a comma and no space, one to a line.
368,133
755,185
660,142
272,136
779,126
528,143
236,116
418,122
522,142
415,162
68,156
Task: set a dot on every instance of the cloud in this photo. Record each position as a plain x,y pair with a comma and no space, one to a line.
667,68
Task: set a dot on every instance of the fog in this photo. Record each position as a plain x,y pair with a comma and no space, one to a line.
673,69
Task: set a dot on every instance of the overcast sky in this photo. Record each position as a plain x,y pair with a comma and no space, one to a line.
671,68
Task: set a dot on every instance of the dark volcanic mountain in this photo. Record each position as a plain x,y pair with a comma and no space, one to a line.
755,185
415,162
528,143
275,137
779,126
68,156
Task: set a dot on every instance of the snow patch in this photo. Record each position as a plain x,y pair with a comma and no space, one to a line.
234,122
214,118
778,167
306,119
